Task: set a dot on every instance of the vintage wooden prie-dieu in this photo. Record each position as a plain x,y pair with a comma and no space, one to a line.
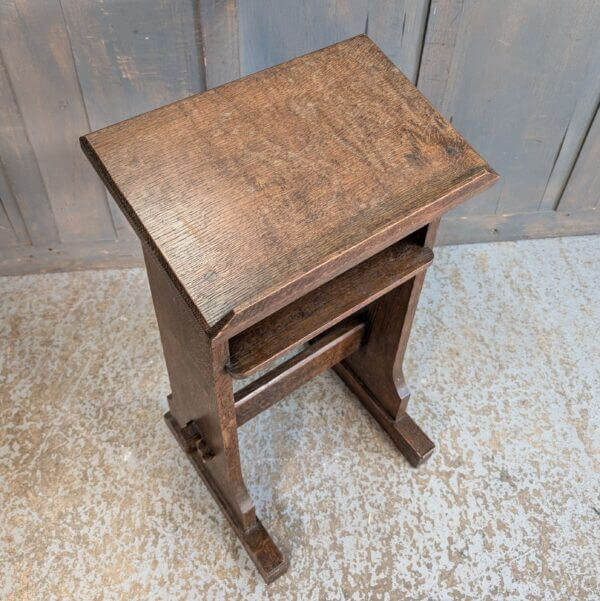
295,208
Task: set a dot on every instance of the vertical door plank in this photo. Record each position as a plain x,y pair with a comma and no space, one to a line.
397,27
574,138
220,41
245,37
516,74
8,237
583,189
274,31
438,48
12,212
132,57
22,181
40,65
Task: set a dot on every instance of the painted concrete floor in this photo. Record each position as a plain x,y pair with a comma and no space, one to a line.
98,502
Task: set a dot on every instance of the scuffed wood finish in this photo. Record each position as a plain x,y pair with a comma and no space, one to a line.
275,31
323,353
14,230
567,158
397,27
129,44
7,234
318,310
545,224
281,180
65,67
518,80
270,31
220,41
441,38
106,254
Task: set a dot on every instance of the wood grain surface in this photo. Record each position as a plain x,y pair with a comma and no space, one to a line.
255,192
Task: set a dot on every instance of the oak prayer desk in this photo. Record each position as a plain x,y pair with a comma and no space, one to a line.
295,208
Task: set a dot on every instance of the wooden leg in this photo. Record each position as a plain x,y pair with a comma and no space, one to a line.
202,416
374,372
256,540
412,442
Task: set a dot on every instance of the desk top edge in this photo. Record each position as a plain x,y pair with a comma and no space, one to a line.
273,299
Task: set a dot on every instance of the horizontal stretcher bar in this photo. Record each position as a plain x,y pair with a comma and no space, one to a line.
331,348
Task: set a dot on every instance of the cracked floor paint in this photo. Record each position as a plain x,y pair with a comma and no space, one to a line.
98,502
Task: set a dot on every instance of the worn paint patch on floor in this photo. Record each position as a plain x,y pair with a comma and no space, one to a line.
98,502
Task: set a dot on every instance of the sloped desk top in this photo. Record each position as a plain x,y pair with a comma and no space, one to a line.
258,191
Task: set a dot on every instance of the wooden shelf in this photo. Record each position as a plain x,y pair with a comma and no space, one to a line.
322,308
